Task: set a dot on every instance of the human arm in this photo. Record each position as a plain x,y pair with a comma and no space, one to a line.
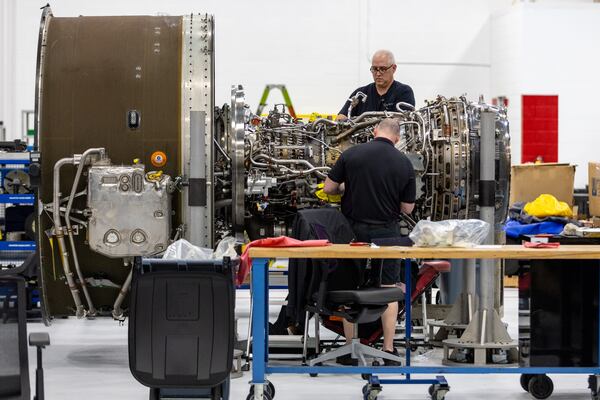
407,208
407,200
334,183
331,187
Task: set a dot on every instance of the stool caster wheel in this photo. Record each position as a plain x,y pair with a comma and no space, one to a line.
376,363
525,378
438,392
540,386
370,392
365,377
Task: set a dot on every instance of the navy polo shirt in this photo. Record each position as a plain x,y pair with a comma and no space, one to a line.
398,92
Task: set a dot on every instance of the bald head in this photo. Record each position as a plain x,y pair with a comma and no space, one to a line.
388,128
384,55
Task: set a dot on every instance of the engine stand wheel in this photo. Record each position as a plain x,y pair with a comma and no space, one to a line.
525,378
540,386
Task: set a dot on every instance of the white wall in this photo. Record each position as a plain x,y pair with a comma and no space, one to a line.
506,76
550,48
562,57
319,49
8,109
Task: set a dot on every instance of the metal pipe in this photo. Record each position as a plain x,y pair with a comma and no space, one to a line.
60,238
377,114
469,279
223,203
276,161
322,120
483,325
353,129
470,306
354,101
222,151
487,200
401,104
117,312
82,162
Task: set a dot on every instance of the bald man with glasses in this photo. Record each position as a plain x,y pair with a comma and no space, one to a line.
384,93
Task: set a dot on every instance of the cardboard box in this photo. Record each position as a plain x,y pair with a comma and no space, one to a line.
594,188
528,181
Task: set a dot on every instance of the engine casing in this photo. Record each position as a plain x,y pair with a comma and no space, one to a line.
130,215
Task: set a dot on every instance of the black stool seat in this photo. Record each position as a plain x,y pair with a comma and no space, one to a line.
370,296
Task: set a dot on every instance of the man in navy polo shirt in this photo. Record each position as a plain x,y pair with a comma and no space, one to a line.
384,93
377,183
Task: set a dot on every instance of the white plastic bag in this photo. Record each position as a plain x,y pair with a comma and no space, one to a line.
226,248
184,250
450,233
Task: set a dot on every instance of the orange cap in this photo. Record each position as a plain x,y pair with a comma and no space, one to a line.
158,159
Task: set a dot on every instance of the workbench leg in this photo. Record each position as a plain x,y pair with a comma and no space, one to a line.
259,325
408,309
594,380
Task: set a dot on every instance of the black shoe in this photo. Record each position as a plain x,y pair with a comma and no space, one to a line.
392,363
347,360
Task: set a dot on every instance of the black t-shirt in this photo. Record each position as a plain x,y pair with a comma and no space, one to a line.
377,179
396,93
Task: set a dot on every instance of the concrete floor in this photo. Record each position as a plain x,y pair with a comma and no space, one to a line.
88,360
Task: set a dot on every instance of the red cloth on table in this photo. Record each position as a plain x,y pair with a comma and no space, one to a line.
281,241
530,245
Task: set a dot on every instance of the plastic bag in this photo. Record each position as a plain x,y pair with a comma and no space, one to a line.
450,233
226,248
184,250
547,205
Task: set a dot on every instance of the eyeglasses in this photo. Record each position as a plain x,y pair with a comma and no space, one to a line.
380,69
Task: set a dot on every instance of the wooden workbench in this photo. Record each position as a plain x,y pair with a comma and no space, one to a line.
490,252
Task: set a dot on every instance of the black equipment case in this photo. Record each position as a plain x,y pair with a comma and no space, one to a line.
181,327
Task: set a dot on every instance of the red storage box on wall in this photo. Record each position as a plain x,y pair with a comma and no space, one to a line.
540,128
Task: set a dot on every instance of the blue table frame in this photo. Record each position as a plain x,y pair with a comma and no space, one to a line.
260,339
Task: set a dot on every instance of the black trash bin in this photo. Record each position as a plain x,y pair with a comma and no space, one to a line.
181,327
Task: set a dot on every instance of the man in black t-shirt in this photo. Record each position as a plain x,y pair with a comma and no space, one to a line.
384,93
378,184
